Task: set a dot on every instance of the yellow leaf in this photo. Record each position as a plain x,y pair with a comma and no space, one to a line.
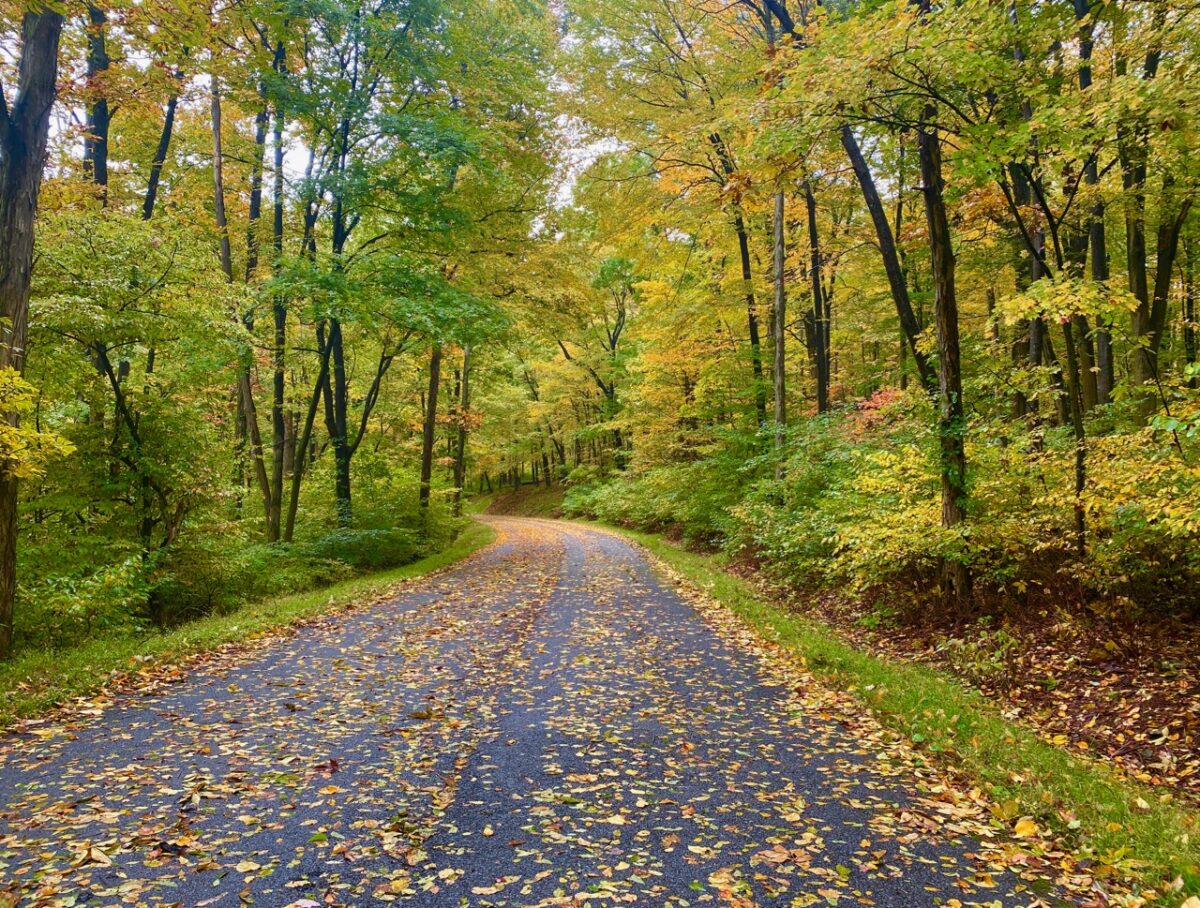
1025,828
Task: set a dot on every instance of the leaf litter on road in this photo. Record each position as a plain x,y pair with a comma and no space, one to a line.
550,724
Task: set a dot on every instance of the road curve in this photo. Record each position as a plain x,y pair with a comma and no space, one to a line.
548,723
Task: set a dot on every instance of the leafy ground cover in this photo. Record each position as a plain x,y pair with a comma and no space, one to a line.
40,679
1121,692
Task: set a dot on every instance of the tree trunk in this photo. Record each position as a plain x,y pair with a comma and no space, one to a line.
1075,408
891,257
956,579
1189,307
336,412
160,157
1098,246
820,321
95,142
301,456
256,192
24,129
218,165
1152,324
429,429
460,451
779,366
756,358
279,358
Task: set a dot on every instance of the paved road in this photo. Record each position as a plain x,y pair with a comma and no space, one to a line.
549,723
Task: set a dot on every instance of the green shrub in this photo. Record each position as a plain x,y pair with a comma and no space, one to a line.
65,609
857,508
210,576
369,550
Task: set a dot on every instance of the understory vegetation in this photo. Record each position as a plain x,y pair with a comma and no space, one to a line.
855,509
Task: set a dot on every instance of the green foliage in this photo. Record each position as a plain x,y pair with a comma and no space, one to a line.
857,509
110,601
696,498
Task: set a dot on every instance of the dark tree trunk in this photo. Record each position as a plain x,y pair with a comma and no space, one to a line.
429,430
160,157
756,357
739,225
891,257
279,350
1097,243
95,142
256,193
24,129
336,407
1153,325
1075,409
460,450
218,165
952,416
779,365
1189,307
820,322
302,456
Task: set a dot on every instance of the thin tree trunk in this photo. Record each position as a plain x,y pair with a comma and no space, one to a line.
95,143
1075,408
429,429
460,451
891,257
337,404
820,319
218,165
1097,243
300,459
279,351
779,366
256,192
160,157
1189,307
756,357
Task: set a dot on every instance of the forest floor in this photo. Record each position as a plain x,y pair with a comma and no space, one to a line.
552,722
1122,692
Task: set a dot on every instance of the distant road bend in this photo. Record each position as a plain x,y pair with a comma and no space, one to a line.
548,723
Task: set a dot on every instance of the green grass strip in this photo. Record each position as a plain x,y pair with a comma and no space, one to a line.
1132,829
37,680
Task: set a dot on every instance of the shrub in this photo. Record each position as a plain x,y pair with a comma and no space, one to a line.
858,508
64,609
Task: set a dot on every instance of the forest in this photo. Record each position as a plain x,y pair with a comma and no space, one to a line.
883,311
893,303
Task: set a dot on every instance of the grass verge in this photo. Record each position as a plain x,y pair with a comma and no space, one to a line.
38,680
1126,828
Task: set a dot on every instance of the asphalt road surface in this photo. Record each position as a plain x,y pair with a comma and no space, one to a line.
549,723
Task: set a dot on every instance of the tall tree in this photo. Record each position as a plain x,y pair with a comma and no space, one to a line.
24,129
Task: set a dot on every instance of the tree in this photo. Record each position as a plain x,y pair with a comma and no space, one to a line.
24,128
